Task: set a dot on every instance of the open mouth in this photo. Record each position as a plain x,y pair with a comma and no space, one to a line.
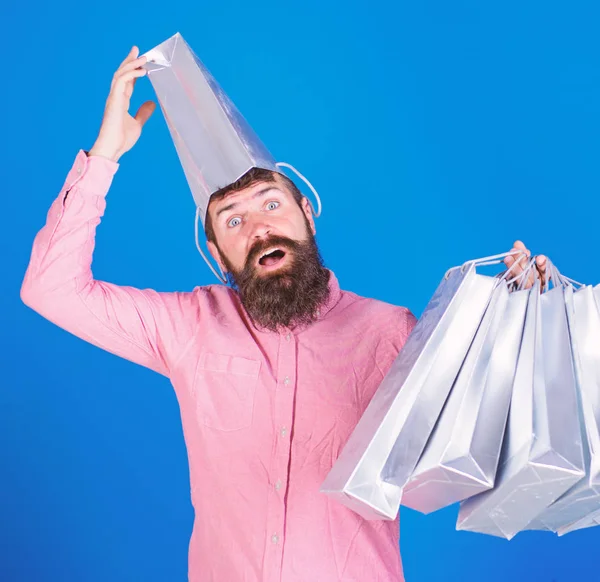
272,257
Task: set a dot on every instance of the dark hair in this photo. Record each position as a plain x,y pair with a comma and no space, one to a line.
251,177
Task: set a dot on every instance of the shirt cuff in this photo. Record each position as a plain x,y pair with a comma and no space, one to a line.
93,175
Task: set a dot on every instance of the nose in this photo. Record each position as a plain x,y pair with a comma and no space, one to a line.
258,229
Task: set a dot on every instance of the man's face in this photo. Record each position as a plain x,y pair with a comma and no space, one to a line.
244,222
264,241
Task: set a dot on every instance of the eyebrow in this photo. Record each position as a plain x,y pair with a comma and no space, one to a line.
257,194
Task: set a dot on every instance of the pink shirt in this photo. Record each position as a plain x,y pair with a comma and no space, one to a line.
264,414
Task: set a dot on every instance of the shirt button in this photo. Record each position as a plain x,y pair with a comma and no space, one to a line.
278,485
275,538
288,337
283,431
286,380
79,170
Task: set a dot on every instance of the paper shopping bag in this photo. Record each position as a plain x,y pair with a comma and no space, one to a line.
462,454
582,499
215,144
542,452
589,521
403,411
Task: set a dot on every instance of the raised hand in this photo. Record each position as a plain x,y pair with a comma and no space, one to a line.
517,264
119,130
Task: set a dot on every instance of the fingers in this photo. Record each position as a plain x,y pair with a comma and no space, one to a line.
524,254
131,63
145,111
518,260
122,80
133,53
128,67
541,263
134,64
523,259
509,261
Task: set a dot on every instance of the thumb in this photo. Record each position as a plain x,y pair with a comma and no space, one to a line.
145,111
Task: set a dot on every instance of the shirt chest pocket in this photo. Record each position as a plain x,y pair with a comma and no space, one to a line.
224,389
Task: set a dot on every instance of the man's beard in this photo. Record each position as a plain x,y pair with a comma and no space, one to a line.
286,297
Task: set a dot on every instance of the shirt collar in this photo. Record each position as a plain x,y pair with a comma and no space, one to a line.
334,296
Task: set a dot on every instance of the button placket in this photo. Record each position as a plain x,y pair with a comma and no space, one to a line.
285,372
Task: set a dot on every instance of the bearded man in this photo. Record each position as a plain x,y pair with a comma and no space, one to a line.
272,373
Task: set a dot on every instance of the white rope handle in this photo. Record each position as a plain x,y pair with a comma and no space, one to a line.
526,270
524,276
316,213
484,261
559,279
221,276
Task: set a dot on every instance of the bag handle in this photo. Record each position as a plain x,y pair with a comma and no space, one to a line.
316,213
220,276
523,275
484,261
553,274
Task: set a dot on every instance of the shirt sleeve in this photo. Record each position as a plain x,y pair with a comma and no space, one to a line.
409,321
143,326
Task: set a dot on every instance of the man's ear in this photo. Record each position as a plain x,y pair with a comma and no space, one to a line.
216,255
307,209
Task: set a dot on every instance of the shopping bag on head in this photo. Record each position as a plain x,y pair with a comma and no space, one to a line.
542,450
583,499
462,454
403,411
215,144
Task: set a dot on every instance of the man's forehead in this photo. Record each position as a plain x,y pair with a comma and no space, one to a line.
250,191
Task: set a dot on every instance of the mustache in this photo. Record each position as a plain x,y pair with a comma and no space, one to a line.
260,246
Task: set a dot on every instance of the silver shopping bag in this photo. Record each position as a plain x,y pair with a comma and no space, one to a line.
403,411
215,144
542,451
583,499
589,521
461,456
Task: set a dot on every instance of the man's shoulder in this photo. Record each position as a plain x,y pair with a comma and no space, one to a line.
371,305
214,290
215,296
376,320
377,313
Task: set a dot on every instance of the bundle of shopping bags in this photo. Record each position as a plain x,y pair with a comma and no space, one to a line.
493,403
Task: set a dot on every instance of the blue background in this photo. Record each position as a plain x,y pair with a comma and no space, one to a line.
435,131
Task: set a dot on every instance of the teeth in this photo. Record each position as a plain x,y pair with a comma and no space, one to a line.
269,252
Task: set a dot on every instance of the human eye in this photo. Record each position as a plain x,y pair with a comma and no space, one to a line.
233,222
272,205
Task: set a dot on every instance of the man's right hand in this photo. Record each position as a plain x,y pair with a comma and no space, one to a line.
120,131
